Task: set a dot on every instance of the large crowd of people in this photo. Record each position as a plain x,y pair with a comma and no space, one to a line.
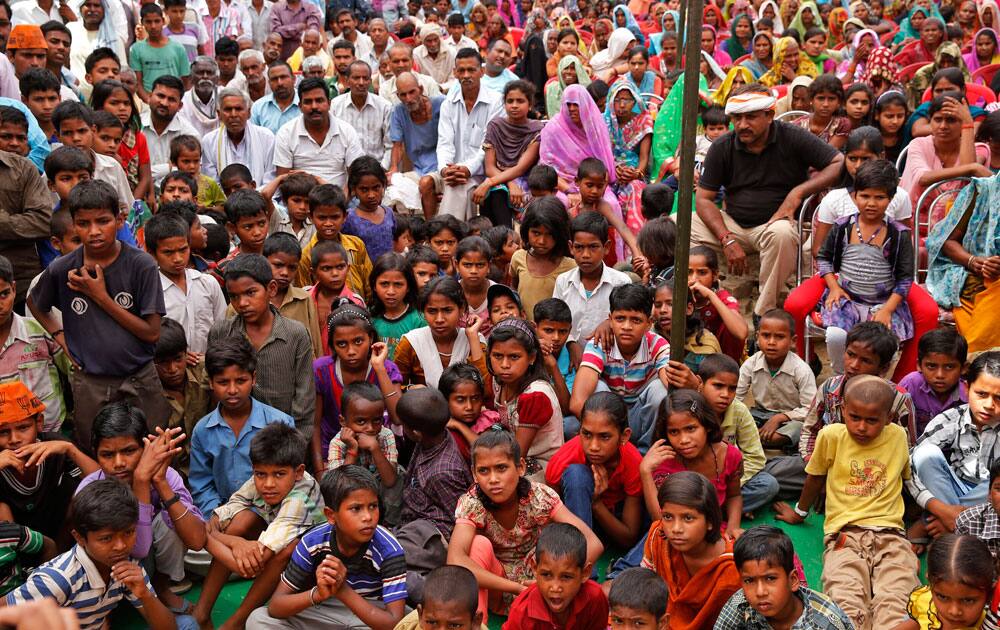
368,304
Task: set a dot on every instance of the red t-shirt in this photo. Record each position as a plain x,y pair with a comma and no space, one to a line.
624,479
588,611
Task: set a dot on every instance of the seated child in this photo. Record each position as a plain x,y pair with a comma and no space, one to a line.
450,598
657,240
635,367
553,321
699,342
473,263
978,520
463,388
503,303
443,233
783,386
185,156
501,557
698,569
867,262
595,195
638,599
936,386
295,189
715,306
32,494
185,385
425,264
220,442
504,242
543,181
94,576
169,522
826,98
955,564
394,300
563,594
277,505
364,441
328,211
545,233
869,568
656,200
330,265
715,123
370,221
284,253
24,548
600,463
951,463
772,595
347,572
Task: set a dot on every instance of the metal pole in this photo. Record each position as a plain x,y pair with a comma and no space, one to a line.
689,127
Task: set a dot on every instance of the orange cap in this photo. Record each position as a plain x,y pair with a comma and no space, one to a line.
17,403
26,36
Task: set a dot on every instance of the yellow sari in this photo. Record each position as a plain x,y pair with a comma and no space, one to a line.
773,77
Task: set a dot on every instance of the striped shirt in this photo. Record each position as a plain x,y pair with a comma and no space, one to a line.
819,612
377,571
72,580
15,540
337,453
32,356
627,377
371,122
301,508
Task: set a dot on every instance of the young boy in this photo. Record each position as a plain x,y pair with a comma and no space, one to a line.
99,65
169,522
255,532
980,520
156,56
295,189
586,288
543,181
715,123
40,92
283,252
110,297
247,220
197,233
936,386
563,594
349,572
191,38
178,186
425,264
220,442
781,383
97,572
402,235
185,385
772,595
451,596
553,322
328,211
635,367
503,303
869,568
284,349
331,266
192,299
185,156
638,599
364,441
108,133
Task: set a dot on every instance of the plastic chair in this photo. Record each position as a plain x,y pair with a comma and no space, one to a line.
779,91
922,220
745,57
984,74
906,49
901,160
795,113
975,93
906,73
812,329
516,34
888,37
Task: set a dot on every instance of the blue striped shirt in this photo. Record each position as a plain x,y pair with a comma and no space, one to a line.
378,570
72,580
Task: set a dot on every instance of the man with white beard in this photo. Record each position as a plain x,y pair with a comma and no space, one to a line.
198,105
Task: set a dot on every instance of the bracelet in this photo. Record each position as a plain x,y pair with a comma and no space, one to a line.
731,241
183,514
391,394
972,259
171,501
724,237
312,599
802,513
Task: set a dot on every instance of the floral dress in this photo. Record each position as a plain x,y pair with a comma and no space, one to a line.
625,141
514,547
537,406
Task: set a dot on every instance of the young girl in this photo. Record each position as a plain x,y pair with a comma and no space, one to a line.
329,261
890,116
394,300
523,395
133,153
960,581
357,357
700,342
826,94
691,439
443,233
545,230
498,521
716,307
657,240
462,385
504,242
371,221
858,105
686,548
473,260
424,353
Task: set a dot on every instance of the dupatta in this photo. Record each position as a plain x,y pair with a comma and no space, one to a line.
565,145
773,77
554,90
798,26
972,59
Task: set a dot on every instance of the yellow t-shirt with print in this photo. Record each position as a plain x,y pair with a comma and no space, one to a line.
921,609
864,483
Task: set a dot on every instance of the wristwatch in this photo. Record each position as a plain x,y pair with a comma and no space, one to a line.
801,513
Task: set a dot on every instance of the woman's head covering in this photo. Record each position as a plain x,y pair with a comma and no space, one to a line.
784,103
529,22
656,39
805,67
753,64
620,41
532,65
720,56
630,22
711,8
564,145
779,24
722,94
798,26
667,129
733,45
922,79
713,66
906,28
879,64
565,21
972,58
510,11
835,26
734,8
990,6
614,129
593,49
554,91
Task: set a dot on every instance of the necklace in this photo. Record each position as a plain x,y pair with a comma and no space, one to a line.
715,462
445,354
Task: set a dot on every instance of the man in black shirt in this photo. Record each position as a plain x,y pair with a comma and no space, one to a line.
764,167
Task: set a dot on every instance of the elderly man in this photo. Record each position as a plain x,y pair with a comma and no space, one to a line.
272,48
89,36
379,34
400,61
496,75
312,46
763,165
290,19
317,142
282,104
161,124
198,107
413,130
251,78
434,59
238,141
367,113
464,116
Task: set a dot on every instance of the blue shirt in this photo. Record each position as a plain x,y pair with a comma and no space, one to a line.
220,460
420,140
499,82
38,144
266,113
566,368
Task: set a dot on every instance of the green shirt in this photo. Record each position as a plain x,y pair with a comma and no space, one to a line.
155,62
390,331
209,192
15,540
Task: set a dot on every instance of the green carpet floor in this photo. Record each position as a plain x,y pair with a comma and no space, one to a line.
808,539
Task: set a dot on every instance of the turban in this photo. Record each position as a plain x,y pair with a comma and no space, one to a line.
748,102
429,29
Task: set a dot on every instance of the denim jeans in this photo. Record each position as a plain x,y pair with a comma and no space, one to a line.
932,468
642,413
759,491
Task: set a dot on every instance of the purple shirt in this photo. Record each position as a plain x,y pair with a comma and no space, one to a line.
926,402
377,237
291,22
149,511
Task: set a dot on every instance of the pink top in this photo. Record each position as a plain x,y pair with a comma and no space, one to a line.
920,158
731,468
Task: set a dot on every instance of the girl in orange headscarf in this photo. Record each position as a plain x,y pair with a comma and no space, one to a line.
838,17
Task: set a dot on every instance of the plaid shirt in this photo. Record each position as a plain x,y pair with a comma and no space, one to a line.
337,453
301,509
970,451
983,522
818,613
437,477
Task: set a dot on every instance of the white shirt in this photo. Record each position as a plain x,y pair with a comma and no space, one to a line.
440,68
838,204
387,88
28,12
198,309
465,42
294,148
588,312
108,169
461,133
159,145
84,43
371,122
256,152
193,112
364,49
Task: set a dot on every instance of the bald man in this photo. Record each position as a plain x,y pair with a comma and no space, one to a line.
400,61
413,130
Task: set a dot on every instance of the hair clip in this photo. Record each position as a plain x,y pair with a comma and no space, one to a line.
517,324
496,426
694,407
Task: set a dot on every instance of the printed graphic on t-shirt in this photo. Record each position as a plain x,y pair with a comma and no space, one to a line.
868,479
